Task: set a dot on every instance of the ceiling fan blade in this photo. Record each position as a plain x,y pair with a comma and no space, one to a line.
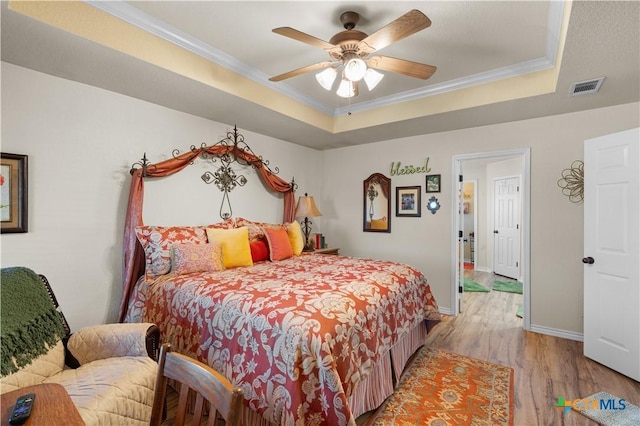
409,23
303,37
303,70
401,66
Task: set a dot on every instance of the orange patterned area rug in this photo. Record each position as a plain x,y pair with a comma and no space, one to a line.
441,388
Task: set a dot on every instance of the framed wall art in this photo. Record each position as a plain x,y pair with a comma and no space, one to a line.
433,183
13,192
408,201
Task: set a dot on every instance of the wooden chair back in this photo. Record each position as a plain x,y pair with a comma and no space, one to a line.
207,384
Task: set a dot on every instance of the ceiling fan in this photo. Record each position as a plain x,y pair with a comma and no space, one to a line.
350,51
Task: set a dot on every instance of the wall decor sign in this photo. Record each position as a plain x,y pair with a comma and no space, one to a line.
13,193
408,201
433,183
398,169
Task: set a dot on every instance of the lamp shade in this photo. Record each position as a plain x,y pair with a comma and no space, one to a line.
355,69
347,89
307,207
326,78
372,78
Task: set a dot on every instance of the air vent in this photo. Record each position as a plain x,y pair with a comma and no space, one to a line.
586,87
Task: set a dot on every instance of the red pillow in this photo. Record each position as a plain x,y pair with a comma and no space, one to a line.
259,250
279,244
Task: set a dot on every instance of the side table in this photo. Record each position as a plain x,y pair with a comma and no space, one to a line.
52,406
328,250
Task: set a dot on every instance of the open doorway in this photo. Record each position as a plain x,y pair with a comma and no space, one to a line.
475,241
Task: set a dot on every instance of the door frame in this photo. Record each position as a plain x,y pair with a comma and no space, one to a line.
456,166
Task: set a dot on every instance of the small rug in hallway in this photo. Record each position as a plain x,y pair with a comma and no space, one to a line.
468,265
613,414
472,286
507,286
440,388
520,311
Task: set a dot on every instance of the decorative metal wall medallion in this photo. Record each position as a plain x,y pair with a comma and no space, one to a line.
572,182
433,205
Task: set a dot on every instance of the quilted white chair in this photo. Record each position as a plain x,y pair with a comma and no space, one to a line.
108,370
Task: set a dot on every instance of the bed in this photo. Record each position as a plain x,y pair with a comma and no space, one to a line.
312,339
298,335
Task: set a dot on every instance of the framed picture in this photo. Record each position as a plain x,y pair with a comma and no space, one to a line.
408,201
433,183
13,192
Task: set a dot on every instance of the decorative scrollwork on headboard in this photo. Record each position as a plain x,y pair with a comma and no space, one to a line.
232,149
144,165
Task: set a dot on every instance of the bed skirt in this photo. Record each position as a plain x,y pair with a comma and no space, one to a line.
379,384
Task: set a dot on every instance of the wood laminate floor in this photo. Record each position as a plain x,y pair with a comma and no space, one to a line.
545,367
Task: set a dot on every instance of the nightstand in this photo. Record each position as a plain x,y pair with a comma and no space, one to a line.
328,250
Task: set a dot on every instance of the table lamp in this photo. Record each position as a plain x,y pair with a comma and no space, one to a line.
307,208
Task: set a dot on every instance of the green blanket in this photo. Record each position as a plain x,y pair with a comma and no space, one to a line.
30,323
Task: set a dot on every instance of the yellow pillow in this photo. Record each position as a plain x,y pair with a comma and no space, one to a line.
235,245
295,237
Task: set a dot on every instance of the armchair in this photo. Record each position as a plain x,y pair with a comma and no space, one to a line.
108,370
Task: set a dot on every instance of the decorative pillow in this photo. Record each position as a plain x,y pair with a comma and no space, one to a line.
235,245
225,224
259,250
256,231
295,237
156,242
279,244
189,258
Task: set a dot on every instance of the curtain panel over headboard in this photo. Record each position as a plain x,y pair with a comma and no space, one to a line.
133,266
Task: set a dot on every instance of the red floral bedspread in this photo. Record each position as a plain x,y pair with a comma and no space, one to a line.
297,335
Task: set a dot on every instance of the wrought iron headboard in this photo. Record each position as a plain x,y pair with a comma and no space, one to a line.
232,149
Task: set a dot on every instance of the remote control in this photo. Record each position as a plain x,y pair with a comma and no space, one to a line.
22,409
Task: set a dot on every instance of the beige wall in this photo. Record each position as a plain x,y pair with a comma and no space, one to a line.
425,242
81,142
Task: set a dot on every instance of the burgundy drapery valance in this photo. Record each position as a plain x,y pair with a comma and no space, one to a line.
133,266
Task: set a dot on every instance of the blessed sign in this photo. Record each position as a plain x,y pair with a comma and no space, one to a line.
399,169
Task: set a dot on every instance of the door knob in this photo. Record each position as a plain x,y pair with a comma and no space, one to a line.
588,260
495,231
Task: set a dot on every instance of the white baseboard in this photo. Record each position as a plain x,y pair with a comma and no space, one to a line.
445,311
555,332
571,335
483,269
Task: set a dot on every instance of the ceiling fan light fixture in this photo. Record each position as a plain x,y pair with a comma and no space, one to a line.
327,77
372,78
346,89
355,69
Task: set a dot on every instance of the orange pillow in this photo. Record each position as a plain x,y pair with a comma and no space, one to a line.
279,244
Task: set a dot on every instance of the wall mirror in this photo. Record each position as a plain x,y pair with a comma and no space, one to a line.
377,203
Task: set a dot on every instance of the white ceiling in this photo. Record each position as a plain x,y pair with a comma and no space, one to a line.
473,44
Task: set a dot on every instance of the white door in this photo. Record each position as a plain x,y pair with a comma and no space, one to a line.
612,257
506,227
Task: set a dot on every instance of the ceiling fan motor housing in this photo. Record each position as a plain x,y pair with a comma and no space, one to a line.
349,19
